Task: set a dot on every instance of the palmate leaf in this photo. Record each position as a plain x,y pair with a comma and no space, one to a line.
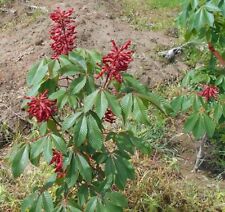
95,137
72,172
78,84
70,121
20,160
157,101
84,168
199,130
77,59
47,153
90,100
101,104
127,105
117,199
190,122
47,202
37,147
80,131
113,103
59,143
210,125
83,194
53,68
28,202
140,111
92,204
203,18
37,73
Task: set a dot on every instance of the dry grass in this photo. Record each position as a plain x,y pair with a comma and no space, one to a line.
160,186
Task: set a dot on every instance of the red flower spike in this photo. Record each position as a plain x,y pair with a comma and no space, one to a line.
116,61
109,116
41,107
57,160
63,32
209,92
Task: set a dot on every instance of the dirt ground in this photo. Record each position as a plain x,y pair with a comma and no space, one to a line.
24,39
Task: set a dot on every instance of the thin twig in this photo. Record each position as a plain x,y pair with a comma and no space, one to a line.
216,54
200,153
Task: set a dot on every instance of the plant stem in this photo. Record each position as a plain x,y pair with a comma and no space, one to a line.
216,54
200,152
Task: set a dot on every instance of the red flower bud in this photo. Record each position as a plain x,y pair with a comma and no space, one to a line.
41,107
116,61
109,116
57,160
209,92
63,32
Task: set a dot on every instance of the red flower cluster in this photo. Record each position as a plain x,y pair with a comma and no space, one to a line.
57,159
41,107
116,61
63,32
109,116
209,91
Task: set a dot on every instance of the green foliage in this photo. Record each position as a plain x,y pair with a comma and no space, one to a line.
96,156
203,20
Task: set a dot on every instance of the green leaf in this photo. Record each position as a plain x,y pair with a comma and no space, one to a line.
140,111
116,198
127,105
210,6
80,131
50,85
210,126
37,147
199,128
72,100
53,67
37,206
190,122
73,206
157,101
83,194
84,168
78,60
113,103
72,172
59,143
32,72
218,111
20,161
177,103
48,151
78,84
101,104
91,205
70,121
95,137
58,94
203,18
47,202
39,74
90,100
28,202
110,167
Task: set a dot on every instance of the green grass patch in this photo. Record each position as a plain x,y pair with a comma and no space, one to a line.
151,14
